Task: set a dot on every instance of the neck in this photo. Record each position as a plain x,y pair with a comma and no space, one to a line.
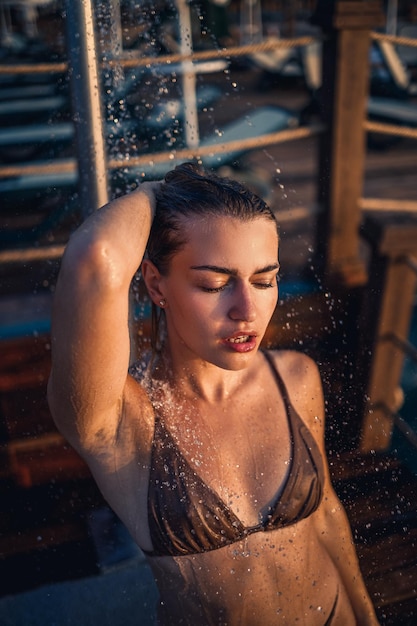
196,379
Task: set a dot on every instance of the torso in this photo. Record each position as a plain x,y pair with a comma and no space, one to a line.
241,448
188,515
283,576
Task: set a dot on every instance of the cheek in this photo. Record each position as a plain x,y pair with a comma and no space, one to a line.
267,308
190,310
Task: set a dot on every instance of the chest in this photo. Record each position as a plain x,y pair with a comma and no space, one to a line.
241,450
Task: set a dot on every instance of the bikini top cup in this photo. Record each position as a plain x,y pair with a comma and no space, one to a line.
187,517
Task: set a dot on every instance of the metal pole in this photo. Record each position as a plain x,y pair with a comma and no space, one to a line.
116,36
87,105
392,16
188,75
111,45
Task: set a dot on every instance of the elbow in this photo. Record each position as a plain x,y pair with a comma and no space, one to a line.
92,265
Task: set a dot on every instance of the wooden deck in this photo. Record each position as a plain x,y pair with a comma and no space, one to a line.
380,496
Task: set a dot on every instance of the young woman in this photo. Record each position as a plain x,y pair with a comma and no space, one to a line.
211,451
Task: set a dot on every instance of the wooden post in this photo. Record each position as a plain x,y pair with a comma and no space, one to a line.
390,299
346,26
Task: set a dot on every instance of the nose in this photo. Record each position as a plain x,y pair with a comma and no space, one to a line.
242,307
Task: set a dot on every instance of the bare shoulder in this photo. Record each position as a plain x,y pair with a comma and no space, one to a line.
296,367
301,376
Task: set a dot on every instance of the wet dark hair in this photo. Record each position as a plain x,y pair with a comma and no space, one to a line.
187,192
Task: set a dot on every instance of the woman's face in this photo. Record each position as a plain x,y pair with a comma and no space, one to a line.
221,290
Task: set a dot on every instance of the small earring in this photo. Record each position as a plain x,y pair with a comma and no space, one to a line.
162,303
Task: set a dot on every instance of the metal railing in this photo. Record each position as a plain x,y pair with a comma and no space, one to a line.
132,61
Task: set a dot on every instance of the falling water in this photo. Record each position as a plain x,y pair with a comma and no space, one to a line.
144,113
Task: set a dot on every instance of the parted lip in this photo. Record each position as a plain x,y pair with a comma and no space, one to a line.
240,333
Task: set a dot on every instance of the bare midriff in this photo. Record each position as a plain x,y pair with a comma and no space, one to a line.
283,577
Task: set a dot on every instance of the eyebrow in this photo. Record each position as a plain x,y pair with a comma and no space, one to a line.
232,272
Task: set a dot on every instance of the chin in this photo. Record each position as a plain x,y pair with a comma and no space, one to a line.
236,362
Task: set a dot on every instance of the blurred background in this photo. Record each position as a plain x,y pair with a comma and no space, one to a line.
313,104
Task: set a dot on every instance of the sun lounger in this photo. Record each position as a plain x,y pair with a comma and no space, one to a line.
261,121
30,184
30,107
27,91
264,120
165,112
36,133
160,116
392,111
272,61
397,71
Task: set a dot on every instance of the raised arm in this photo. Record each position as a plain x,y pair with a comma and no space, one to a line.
90,335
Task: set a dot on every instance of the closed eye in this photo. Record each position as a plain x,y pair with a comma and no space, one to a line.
257,285
267,284
213,289
264,285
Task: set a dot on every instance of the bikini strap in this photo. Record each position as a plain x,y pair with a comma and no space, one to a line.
281,385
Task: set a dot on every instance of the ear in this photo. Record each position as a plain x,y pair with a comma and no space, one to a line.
153,279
